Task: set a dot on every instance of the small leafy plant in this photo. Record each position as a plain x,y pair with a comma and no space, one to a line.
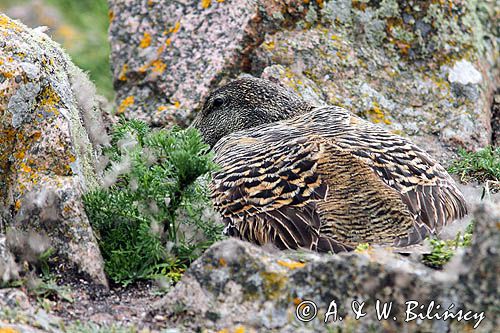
153,215
443,250
483,166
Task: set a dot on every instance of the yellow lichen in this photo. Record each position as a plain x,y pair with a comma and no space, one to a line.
176,27
145,41
17,206
269,45
239,329
158,66
169,41
125,104
123,73
222,262
7,23
177,104
377,115
273,283
291,264
161,108
205,3
19,155
26,168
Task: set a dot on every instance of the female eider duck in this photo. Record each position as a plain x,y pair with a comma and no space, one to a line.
320,178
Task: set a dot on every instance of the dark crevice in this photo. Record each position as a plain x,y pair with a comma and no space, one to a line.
495,119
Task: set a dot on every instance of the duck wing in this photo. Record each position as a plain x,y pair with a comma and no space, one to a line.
424,185
268,189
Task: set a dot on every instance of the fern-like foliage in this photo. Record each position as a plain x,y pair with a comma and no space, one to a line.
153,215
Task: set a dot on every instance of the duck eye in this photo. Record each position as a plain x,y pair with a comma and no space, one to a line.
218,102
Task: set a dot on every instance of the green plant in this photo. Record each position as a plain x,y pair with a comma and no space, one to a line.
90,50
443,250
153,216
483,166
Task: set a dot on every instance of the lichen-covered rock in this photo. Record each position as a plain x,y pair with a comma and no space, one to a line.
167,55
422,69
18,315
236,285
49,133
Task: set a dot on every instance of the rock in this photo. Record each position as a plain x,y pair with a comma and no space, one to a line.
165,64
372,59
236,285
18,314
50,134
419,69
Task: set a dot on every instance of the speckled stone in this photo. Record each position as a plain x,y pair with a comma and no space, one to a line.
47,106
167,55
236,284
371,58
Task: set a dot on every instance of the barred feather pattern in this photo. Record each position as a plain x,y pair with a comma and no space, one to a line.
327,181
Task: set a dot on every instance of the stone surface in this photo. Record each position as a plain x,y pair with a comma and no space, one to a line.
50,136
236,285
164,65
418,69
423,69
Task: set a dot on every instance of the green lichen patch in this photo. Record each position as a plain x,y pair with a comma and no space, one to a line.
152,217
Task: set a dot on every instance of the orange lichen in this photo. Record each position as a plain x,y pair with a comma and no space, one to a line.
17,206
111,15
169,41
291,264
123,73
125,104
205,3
145,41
239,329
158,66
161,108
19,155
222,262
26,168
297,301
175,28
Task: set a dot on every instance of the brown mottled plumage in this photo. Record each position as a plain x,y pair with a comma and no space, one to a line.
320,178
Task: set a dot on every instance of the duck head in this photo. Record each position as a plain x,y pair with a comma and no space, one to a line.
246,103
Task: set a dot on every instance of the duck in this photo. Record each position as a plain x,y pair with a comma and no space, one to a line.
300,176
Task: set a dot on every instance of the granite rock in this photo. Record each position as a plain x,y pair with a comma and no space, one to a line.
51,134
167,55
418,69
423,69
